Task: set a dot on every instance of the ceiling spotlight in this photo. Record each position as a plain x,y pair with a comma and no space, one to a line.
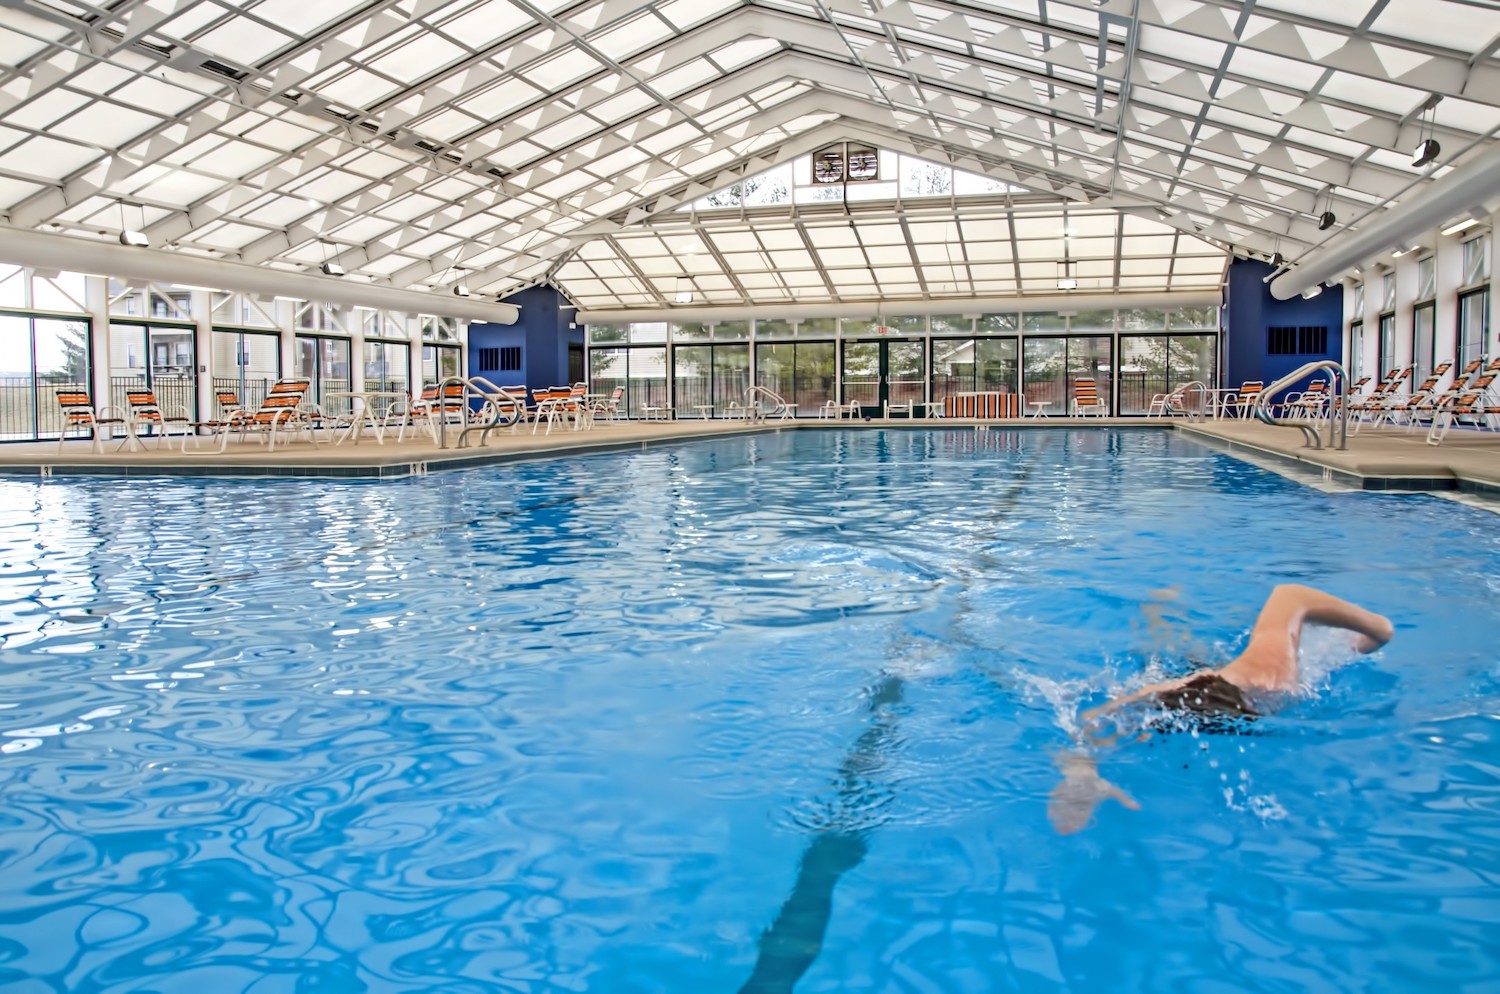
459,290
1326,220
1426,152
332,269
1277,259
136,239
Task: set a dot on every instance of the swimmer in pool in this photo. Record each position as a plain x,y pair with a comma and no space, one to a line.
1267,667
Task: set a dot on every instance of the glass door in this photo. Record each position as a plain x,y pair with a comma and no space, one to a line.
246,363
325,362
885,370
862,383
153,357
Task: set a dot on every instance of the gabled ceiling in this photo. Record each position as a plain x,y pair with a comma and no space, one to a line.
500,143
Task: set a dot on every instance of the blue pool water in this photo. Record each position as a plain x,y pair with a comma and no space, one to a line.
766,713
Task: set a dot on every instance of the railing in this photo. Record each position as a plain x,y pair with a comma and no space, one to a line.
1338,411
753,397
507,408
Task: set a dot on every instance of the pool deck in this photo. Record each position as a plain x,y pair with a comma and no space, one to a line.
1376,459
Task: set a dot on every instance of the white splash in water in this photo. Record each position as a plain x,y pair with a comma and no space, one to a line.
1324,651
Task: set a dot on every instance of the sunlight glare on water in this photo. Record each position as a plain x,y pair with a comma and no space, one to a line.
768,713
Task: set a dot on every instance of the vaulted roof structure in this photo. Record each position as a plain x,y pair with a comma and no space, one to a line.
420,144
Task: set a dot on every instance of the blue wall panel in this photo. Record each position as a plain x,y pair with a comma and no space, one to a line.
1250,311
542,333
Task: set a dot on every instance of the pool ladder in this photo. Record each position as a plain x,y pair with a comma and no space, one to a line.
1338,411
507,407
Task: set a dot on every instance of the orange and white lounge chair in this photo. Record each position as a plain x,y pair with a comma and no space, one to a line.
78,414
147,416
280,413
1086,399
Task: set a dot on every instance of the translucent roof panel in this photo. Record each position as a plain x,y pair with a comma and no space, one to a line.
524,137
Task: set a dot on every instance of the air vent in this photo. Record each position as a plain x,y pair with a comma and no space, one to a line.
227,71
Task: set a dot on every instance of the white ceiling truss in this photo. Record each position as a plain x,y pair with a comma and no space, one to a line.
501,143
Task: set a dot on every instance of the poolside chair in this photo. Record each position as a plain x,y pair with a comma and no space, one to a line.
434,408
146,414
1472,403
279,414
1310,404
1086,399
78,413
905,407
1396,408
608,407
1242,400
1167,405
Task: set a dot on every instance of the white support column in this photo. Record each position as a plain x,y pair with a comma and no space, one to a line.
96,297
203,353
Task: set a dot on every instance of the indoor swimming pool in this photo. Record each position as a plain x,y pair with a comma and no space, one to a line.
765,713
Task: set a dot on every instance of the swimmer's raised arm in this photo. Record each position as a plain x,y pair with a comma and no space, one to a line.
1269,661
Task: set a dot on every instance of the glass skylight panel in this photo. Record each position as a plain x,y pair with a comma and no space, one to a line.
686,13
558,72
47,158
500,99
623,40
481,26
242,40
419,57
1449,25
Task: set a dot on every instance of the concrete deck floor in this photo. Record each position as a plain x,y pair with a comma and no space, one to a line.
1385,458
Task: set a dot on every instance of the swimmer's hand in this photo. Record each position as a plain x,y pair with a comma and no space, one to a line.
1073,801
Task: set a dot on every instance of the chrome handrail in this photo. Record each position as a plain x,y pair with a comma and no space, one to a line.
1338,413
1203,389
472,388
753,405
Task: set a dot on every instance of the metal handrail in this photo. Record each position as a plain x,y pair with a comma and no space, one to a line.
472,388
1203,389
1338,414
775,398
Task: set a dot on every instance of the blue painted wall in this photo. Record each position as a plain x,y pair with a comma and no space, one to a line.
1249,310
542,333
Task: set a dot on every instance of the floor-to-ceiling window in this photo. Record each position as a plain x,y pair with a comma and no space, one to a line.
1385,346
245,363
388,366
962,362
1356,350
325,362
39,356
801,373
1474,302
442,353
1424,319
1158,364
709,375
1052,365
156,357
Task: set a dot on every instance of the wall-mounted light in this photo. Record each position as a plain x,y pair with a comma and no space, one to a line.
1461,226
1405,250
